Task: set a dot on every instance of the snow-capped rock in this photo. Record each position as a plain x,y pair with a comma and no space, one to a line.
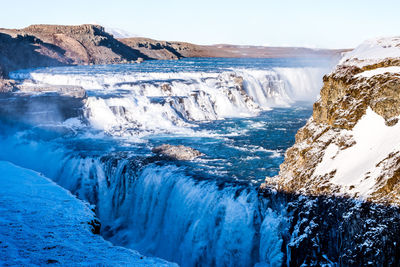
373,51
350,146
340,180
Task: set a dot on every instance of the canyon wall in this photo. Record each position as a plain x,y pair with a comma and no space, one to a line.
350,146
340,179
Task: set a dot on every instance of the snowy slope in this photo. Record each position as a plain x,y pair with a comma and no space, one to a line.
373,51
41,223
373,142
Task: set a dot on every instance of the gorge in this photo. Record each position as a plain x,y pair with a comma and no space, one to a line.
92,129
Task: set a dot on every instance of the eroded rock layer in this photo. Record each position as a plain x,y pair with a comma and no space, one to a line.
349,146
340,180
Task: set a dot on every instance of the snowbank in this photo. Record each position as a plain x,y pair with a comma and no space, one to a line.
42,223
378,71
356,168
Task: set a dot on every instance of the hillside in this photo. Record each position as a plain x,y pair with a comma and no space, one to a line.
174,50
57,45
54,45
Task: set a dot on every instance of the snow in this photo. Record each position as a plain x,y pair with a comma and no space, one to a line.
378,71
356,170
42,223
373,51
119,33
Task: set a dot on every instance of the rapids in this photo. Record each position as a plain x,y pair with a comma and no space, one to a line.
241,113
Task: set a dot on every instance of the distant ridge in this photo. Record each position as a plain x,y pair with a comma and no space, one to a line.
54,45
172,49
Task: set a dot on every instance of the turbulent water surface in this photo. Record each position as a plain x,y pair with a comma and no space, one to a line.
242,114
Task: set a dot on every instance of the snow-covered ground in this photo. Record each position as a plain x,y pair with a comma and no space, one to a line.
378,71
356,167
42,223
373,51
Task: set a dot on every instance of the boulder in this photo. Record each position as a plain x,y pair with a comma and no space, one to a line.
177,152
7,86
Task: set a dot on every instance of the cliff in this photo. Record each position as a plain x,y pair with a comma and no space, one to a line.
340,180
154,49
55,45
350,146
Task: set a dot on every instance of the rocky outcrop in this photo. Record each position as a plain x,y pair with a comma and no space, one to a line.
7,86
153,49
334,231
54,45
42,104
340,180
334,131
177,152
85,44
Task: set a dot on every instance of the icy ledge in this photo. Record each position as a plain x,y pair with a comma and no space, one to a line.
41,223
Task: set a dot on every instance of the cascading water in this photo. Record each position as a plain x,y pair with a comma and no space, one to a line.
132,100
161,211
204,212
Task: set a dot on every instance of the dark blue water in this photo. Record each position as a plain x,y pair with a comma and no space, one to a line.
245,150
190,65
235,149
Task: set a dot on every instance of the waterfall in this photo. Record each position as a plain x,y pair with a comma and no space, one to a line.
138,103
153,205
163,212
160,209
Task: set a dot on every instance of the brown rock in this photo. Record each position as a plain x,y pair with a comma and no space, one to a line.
344,100
156,49
177,152
54,45
7,86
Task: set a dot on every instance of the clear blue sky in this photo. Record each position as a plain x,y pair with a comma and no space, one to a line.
314,23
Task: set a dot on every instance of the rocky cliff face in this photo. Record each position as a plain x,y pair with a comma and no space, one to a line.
53,45
85,43
153,49
350,147
340,180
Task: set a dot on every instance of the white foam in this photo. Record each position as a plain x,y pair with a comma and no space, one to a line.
127,103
